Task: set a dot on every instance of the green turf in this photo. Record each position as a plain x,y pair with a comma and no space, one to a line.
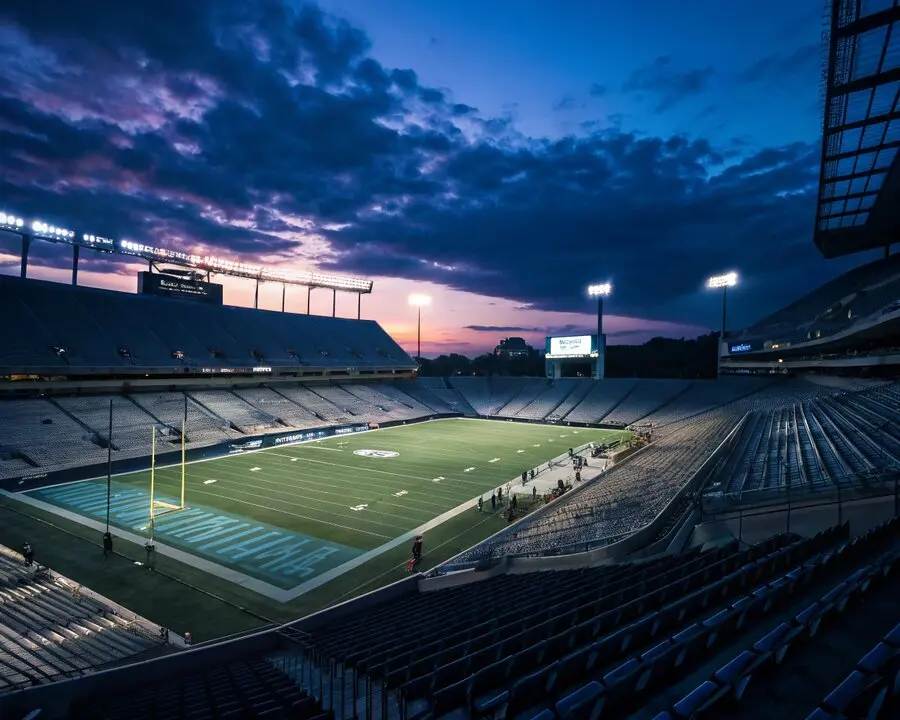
311,488
311,495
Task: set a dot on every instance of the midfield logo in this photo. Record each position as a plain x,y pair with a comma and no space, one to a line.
376,453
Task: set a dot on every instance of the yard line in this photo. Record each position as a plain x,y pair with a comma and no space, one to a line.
363,492
295,494
307,484
306,517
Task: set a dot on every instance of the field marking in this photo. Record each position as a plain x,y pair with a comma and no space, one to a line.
244,486
401,493
470,469
438,479
210,481
494,460
255,469
310,489
262,587
363,506
520,451
321,447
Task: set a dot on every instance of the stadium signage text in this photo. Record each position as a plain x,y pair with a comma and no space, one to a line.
571,347
743,347
182,288
377,453
245,446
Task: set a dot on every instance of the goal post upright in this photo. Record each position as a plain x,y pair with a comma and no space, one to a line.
152,477
182,458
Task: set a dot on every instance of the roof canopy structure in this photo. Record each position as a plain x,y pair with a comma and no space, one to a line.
859,184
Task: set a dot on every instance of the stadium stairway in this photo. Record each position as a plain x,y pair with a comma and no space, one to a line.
513,645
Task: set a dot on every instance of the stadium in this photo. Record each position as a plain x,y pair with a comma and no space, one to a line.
207,511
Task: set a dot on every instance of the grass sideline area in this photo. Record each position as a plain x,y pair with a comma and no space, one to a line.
311,489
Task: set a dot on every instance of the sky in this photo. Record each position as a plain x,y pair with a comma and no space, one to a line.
497,156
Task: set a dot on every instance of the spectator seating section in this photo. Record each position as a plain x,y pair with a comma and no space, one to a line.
622,500
853,588
817,443
102,329
568,641
46,633
600,400
47,434
627,496
247,689
832,307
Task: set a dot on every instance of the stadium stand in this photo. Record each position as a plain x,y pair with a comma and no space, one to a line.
603,642
253,688
829,441
233,411
274,404
438,396
600,400
627,496
833,307
60,326
48,631
648,396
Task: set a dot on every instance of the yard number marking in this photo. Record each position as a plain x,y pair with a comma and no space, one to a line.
494,460
357,508
401,493
469,469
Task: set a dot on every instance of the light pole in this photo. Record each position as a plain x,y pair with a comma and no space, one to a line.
418,301
724,281
600,291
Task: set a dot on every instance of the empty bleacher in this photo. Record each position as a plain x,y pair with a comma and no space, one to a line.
822,642
832,307
603,397
47,632
46,435
821,442
272,403
252,688
614,641
53,325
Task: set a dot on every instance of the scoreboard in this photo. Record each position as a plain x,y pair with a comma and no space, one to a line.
183,288
571,347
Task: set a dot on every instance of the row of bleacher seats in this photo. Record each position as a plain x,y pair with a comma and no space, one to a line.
780,670
52,325
253,688
54,433
615,401
46,633
625,497
591,643
832,307
819,443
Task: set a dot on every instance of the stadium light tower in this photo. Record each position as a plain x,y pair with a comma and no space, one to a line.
600,291
418,301
723,281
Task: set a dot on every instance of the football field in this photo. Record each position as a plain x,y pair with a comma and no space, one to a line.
289,514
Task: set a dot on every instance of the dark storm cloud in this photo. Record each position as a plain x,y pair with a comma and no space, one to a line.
775,66
666,83
258,129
